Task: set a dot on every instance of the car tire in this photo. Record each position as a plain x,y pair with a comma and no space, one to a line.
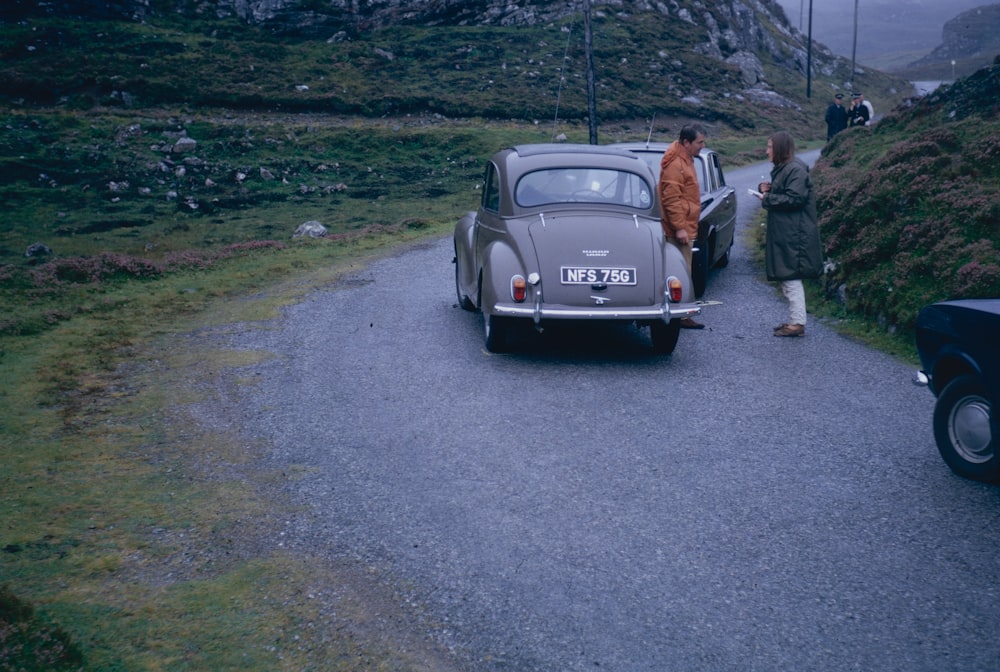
965,431
699,269
495,332
464,302
724,259
664,336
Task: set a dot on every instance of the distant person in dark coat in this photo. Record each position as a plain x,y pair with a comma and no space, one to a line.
858,114
836,117
792,248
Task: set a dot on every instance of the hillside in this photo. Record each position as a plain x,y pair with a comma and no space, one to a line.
911,207
170,130
724,62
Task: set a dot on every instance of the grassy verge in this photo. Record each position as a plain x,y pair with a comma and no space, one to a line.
110,530
823,303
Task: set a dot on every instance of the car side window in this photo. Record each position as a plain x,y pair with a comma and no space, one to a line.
704,180
491,189
717,169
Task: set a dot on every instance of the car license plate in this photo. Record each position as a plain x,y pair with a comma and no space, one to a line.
577,275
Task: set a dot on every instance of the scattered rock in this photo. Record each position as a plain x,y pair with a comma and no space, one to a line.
185,145
312,229
38,250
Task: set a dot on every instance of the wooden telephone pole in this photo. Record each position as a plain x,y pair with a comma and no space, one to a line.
591,86
854,47
809,58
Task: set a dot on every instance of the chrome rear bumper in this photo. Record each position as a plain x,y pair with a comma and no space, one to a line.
666,312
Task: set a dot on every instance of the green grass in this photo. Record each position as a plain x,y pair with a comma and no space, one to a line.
822,302
108,529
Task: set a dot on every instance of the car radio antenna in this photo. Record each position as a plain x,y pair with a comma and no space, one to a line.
562,78
649,135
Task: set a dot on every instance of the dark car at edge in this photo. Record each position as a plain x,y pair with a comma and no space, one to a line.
959,347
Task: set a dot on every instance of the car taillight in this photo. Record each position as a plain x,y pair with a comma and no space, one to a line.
518,288
674,289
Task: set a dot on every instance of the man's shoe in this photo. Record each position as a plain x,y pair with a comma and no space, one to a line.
781,326
688,323
791,330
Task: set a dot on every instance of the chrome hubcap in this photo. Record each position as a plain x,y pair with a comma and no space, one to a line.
969,427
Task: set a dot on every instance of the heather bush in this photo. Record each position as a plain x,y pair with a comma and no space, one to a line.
910,212
27,643
83,270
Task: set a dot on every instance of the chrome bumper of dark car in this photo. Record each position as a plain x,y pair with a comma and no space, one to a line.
921,379
671,311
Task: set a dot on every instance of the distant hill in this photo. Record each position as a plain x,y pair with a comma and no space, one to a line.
889,32
970,41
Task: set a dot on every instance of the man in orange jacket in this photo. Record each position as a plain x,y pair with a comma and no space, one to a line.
680,196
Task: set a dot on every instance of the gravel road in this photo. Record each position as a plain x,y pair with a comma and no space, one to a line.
748,503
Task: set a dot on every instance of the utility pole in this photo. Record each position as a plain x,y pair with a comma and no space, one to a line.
809,57
588,42
854,47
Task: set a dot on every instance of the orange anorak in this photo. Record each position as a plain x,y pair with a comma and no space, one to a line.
680,197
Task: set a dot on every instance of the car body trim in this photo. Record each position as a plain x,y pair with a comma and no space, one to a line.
537,312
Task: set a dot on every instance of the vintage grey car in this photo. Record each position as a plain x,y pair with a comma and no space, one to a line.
717,223
570,232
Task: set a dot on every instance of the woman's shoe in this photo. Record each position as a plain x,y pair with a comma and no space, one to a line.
791,330
781,326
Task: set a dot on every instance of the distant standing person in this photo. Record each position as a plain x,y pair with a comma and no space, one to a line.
871,109
836,117
792,248
680,196
858,114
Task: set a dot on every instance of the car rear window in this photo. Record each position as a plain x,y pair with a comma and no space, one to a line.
583,185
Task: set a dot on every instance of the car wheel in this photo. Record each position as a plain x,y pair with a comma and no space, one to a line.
699,269
964,430
724,259
463,301
664,336
495,332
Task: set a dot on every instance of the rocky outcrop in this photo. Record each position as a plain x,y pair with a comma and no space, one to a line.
971,34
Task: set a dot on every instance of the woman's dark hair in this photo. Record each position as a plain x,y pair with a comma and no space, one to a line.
782,148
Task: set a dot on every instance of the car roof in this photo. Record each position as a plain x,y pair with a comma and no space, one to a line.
567,148
639,146
986,305
521,159
636,144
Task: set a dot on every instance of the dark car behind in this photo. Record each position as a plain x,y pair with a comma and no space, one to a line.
717,223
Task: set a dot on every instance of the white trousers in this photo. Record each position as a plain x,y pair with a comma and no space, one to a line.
795,292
